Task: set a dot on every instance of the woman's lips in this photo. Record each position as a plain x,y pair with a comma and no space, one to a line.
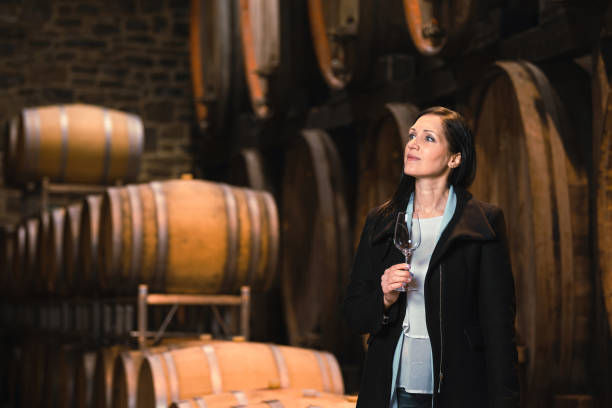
411,157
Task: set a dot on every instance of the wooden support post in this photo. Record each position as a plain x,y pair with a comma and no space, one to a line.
142,315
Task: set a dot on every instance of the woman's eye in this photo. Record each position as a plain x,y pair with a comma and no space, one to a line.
430,139
411,136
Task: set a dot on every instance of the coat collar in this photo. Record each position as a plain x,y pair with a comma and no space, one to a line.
469,222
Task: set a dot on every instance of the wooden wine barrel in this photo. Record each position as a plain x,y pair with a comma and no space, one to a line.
127,366
103,376
84,385
348,36
70,239
279,398
260,32
88,248
439,27
342,35
31,279
54,252
526,169
188,236
603,173
316,241
217,71
223,366
77,144
381,160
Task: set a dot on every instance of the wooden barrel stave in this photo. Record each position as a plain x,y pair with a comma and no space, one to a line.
78,143
70,232
84,386
519,125
87,261
31,278
53,253
103,376
222,366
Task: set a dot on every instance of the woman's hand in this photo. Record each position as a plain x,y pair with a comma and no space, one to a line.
394,277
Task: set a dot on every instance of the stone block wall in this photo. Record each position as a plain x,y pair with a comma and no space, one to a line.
131,55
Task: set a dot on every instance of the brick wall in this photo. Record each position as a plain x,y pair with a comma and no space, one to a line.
131,55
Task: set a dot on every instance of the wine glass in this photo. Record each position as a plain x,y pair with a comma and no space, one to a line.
407,238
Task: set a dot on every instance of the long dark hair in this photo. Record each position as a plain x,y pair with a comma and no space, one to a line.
460,140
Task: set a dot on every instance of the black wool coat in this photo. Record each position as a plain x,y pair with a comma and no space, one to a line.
469,308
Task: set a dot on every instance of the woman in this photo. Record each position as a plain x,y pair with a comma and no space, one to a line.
450,343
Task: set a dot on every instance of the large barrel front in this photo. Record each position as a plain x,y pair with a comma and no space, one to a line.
77,144
316,241
188,236
526,169
224,366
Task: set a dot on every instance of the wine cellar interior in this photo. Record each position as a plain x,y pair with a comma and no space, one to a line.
184,184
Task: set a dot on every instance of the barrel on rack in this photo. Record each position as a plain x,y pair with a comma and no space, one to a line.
188,236
440,27
528,167
75,144
316,241
70,233
297,398
224,366
381,159
86,280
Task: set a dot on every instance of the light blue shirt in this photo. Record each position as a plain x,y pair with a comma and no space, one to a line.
415,363
449,211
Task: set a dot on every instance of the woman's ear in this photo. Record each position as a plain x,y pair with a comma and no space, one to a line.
454,161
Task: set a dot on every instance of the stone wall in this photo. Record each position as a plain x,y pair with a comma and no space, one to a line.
131,55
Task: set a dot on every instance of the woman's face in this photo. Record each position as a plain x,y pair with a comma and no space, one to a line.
427,152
